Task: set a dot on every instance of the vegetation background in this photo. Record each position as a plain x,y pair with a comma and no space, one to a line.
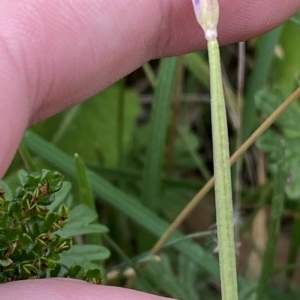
145,145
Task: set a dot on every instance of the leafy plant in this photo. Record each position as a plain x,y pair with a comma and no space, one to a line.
286,132
36,234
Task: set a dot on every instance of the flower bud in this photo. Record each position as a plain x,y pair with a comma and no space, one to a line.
207,14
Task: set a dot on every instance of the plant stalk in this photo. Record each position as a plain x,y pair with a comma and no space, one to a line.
223,190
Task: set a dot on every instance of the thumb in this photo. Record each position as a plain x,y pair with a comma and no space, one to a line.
68,289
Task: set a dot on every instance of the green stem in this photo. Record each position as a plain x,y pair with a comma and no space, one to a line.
223,191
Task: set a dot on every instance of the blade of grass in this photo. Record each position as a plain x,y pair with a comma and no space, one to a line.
159,126
135,175
68,118
195,63
174,115
286,69
274,229
149,74
296,19
84,186
120,118
294,246
27,159
86,195
258,77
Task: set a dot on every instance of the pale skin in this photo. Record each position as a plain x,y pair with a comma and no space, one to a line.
56,53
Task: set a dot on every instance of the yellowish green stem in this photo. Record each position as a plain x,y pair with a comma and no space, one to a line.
223,190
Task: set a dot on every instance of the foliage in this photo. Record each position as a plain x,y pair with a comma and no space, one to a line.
286,135
36,239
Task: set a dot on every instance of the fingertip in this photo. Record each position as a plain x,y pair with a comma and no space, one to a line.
69,289
239,20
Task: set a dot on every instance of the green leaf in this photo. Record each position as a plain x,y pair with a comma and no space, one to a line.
62,244
274,229
62,196
79,222
286,69
28,162
293,247
84,186
179,286
74,270
159,125
28,270
268,101
289,133
5,262
188,273
259,77
3,242
25,241
94,276
198,67
7,191
84,255
55,272
99,118
187,152
4,217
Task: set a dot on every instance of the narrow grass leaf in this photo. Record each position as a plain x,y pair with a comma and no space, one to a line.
274,229
259,77
28,162
195,63
84,186
159,126
87,198
294,246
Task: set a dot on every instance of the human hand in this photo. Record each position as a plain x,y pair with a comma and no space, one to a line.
57,53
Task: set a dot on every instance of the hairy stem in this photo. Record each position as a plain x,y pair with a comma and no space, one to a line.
223,190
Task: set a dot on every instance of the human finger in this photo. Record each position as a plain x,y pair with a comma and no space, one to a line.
68,289
57,53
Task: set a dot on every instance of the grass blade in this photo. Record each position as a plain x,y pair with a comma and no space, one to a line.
159,127
85,190
198,67
274,229
86,195
294,246
259,77
28,162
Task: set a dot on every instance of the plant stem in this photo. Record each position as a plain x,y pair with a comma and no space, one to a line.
223,190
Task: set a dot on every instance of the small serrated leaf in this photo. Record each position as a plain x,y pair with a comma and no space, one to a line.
79,220
85,255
